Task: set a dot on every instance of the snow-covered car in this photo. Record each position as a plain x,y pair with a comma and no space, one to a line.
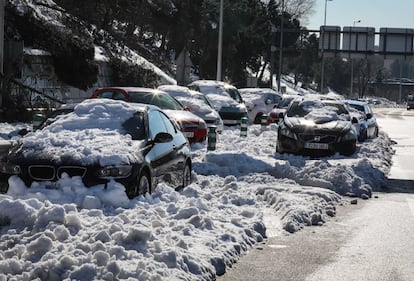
100,141
367,126
317,127
224,97
410,102
196,102
192,126
259,101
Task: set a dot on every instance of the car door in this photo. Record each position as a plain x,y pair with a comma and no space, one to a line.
165,158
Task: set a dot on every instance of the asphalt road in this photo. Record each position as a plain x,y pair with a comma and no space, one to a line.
370,241
373,240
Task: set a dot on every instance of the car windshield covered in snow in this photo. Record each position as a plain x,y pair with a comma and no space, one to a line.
133,126
307,108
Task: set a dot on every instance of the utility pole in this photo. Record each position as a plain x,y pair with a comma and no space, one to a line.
272,55
220,43
280,48
322,51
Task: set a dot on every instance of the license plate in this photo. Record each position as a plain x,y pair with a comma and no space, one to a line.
230,121
188,134
315,145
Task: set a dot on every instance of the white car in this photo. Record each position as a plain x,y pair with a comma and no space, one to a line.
260,101
367,125
224,97
196,102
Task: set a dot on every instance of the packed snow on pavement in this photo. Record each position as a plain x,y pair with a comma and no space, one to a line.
240,193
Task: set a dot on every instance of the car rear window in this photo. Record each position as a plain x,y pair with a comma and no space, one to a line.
115,95
161,100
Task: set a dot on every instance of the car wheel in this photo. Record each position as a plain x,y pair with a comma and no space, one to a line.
186,175
140,187
278,149
349,150
258,118
363,136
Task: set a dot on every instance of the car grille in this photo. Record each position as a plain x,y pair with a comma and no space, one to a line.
318,138
232,115
50,173
190,126
211,121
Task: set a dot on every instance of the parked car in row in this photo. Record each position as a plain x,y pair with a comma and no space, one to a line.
410,102
193,127
367,126
259,101
224,97
317,127
277,112
196,102
100,140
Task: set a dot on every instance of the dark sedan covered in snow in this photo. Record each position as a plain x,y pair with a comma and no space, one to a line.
100,141
317,127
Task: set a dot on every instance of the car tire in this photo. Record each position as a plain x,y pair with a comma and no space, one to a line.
258,118
140,187
186,175
278,149
349,150
363,136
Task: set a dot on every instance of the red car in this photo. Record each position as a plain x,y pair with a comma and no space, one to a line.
192,126
277,112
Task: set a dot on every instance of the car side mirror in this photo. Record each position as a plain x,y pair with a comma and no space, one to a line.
354,120
369,115
281,115
163,138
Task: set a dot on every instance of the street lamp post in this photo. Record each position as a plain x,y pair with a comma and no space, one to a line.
322,54
220,43
280,49
351,92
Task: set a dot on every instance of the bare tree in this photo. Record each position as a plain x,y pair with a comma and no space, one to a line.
299,9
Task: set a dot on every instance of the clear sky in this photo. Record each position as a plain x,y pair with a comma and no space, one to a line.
371,13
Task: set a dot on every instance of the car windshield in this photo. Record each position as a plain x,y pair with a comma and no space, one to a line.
285,102
134,126
205,100
53,115
357,107
303,108
234,94
163,101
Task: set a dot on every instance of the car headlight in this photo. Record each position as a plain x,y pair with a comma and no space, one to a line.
202,125
284,130
12,169
121,171
351,135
